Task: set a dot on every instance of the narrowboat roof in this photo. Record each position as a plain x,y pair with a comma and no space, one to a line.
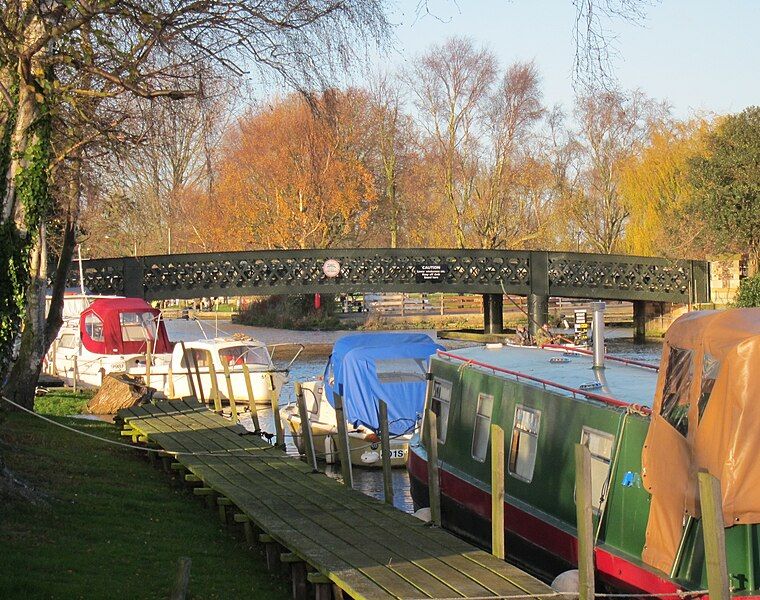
565,372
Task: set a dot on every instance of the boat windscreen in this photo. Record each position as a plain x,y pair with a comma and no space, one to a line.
400,370
250,355
137,326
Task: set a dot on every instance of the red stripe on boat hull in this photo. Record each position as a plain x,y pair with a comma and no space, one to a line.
612,568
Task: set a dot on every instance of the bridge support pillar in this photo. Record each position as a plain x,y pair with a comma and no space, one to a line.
493,311
538,312
639,320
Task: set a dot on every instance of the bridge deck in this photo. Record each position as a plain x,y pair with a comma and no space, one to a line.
365,547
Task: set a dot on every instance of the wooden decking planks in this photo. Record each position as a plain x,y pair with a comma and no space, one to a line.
367,548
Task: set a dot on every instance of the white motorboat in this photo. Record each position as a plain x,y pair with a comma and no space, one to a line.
363,369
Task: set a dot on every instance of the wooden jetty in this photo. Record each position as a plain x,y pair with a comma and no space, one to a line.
335,538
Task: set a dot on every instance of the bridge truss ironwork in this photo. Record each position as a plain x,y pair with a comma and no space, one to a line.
568,275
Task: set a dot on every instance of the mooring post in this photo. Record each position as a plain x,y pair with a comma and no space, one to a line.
214,387
434,487
190,382
710,499
251,398
498,547
76,374
148,362
182,581
198,376
584,521
306,436
343,449
230,391
275,403
385,448
639,320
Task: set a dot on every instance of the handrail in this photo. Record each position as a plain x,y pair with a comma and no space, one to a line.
545,382
625,361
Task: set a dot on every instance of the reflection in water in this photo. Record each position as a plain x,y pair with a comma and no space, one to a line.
365,480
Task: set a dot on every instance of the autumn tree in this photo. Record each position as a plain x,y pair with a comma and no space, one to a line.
656,192
726,183
611,127
506,207
449,84
293,174
56,57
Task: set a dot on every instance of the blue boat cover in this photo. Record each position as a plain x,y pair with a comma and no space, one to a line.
387,366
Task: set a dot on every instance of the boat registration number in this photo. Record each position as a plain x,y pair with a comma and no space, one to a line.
398,453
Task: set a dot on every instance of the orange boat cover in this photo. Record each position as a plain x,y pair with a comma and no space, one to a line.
706,415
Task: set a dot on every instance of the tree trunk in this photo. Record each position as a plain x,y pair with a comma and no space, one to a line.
25,372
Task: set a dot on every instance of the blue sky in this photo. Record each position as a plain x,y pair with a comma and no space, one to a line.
698,55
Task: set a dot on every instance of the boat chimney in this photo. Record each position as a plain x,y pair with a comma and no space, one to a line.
598,334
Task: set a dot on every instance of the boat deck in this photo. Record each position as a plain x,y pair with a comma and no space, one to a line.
342,537
627,383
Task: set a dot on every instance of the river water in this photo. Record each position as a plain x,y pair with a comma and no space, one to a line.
368,481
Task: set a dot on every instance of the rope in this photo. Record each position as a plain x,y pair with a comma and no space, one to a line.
677,594
133,446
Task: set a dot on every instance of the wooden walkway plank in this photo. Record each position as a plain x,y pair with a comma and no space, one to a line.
471,572
366,547
335,567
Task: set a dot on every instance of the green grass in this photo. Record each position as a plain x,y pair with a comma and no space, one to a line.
109,525
62,402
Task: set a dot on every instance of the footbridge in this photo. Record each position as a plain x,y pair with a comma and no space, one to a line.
534,274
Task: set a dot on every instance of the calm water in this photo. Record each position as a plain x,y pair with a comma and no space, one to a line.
368,481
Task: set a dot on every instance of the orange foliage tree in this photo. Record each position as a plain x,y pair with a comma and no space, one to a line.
292,176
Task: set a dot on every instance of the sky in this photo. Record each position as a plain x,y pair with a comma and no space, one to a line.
699,56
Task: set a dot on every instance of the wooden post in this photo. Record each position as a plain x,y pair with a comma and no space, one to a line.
251,398
385,448
75,374
230,392
198,376
189,372
170,381
54,366
343,450
442,311
584,521
498,548
148,363
182,582
713,529
279,433
308,440
214,387
434,487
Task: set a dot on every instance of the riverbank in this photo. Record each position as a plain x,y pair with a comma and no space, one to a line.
102,524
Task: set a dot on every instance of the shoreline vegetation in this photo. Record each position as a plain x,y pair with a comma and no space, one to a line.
93,521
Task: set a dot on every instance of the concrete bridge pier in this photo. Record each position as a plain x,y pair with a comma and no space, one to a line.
493,313
538,312
639,320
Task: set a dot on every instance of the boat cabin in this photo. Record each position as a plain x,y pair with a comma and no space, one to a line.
649,431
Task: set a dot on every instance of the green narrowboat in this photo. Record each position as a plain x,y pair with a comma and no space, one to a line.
649,432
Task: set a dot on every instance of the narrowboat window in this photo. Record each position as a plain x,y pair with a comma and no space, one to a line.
93,326
440,402
202,357
482,429
250,355
68,340
710,368
137,327
600,445
675,394
522,450
400,370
